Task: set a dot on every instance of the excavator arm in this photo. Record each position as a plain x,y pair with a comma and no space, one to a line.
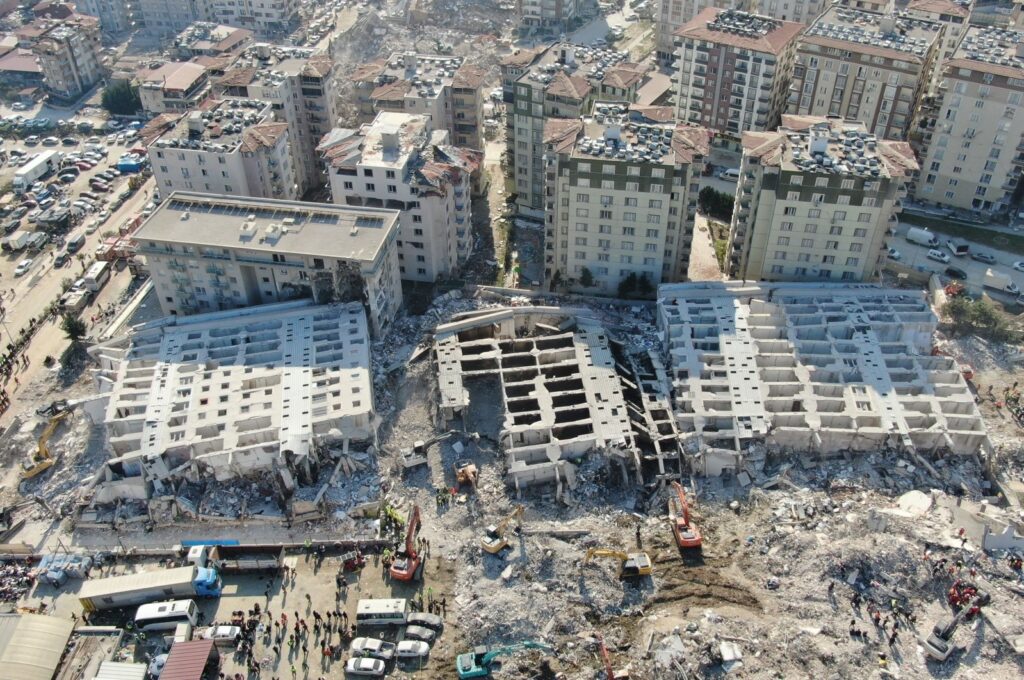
493,540
686,533
407,563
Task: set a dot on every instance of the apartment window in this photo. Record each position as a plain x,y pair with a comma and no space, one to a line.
367,172
581,240
389,174
653,233
417,219
604,229
807,243
814,212
392,189
856,247
789,211
606,214
821,182
625,259
825,274
780,254
629,217
654,204
604,243
835,231
864,217
793,196
828,259
651,247
627,245
776,269
803,257
831,245
348,186
783,241
860,232
631,202
602,257
580,255
852,261
417,232
581,226
583,198
786,226
370,187
607,200
654,219
628,231
810,228
582,212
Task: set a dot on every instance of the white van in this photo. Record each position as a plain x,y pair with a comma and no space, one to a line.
390,612
730,175
165,615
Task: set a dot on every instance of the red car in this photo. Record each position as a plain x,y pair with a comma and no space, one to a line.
99,186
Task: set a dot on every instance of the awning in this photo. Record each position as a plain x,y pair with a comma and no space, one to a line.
187,660
35,647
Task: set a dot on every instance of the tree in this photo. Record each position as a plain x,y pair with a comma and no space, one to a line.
627,285
586,278
556,281
643,285
715,203
121,99
73,327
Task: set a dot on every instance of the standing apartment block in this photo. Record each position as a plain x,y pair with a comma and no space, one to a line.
207,252
563,82
815,201
547,14
733,70
69,53
674,14
800,11
445,89
114,15
231,147
302,91
955,16
621,199
266,18
972,132
398,163
867,67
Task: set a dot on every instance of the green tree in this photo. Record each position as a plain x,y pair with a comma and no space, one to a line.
73,327
556,281
586,278
627,286
121,99
643,285
715,203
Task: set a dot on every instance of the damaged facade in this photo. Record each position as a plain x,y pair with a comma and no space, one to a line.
822,368
230,394
567,390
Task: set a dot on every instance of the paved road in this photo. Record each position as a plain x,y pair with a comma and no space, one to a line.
915,255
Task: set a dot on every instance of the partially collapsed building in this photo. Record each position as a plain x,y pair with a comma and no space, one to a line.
820,369
229,394
567,389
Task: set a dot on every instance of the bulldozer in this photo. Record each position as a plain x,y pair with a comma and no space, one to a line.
42,460
631,565
494,540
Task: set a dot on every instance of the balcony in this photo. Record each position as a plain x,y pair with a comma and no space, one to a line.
177,266
216,271
1018,160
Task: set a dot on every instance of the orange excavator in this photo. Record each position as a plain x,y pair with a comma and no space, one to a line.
408,562
687,534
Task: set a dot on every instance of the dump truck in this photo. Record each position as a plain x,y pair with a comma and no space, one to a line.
234,559
997,280
129,590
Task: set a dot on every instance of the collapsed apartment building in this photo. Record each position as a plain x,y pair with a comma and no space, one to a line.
810,368
280,388
567,389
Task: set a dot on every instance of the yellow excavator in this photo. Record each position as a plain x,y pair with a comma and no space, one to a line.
631,565
493,540
42,460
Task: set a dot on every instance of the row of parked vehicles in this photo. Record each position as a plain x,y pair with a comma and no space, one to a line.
993,279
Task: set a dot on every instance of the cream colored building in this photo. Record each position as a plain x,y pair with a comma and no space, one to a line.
955,16
234,147
175,86
396,162
620,199
973,135
69,54
547,14
815,201
800,11
734,69
207,252
868,67
673,14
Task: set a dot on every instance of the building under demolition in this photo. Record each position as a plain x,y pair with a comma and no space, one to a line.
817,368
567,389
232,394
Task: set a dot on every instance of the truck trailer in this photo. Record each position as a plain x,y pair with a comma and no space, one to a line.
237,558
132,590
44,165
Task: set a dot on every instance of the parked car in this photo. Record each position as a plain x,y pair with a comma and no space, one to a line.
61,259
19,106
956,273
938,256
364,666
68,178
420,633
69,141
51,141
894,254
23,267
983,257
412,649
1019,266
373,647
432,621
222,635
31,140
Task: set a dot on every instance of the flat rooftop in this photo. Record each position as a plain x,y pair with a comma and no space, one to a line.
205,35
996,50
240,390
895,36
741,30
218,127
175,75
570,70
610,134
829,146
816,368
270,226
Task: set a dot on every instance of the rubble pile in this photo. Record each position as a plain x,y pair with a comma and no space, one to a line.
16,579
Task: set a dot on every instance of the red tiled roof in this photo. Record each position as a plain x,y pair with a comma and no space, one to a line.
262,136
20,60
774,42
941,7
469,77
562,133
391,92
522,57
367,73
689,141
562,85
658,114
624,75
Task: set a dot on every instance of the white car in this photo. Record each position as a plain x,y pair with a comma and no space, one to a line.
1019,266
222,635
378,649
420,633
412,649
938,256
156,666
23,267
365,666
91,226
148,210
103,216
894,254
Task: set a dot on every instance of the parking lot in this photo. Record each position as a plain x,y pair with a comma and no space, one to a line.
916,256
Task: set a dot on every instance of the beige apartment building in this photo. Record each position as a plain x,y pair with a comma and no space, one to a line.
301,87
207,39
69,54
867,67
176,86
954,16
734,69
973,132
562,82
547,14
620,200
232,147
444,88
673,14
815,201
396,162
207,252
800,11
